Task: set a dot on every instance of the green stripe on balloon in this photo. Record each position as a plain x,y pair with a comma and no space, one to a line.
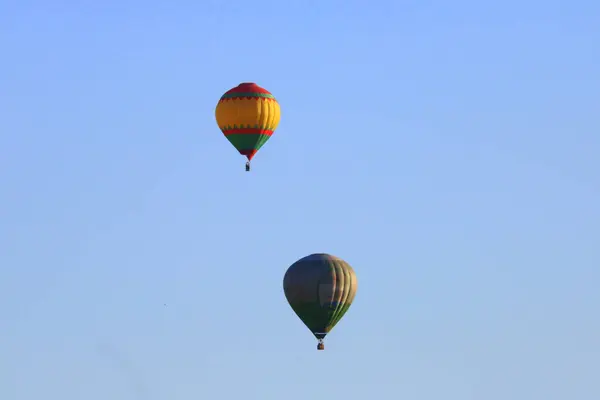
235,95
247,141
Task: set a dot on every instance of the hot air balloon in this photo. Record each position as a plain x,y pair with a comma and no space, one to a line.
248,115
320,288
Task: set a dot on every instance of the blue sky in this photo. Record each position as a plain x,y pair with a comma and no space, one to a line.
447,150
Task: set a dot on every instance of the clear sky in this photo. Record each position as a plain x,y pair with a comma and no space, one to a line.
448,150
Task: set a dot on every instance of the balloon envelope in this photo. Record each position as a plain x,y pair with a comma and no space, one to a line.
320,288
248,116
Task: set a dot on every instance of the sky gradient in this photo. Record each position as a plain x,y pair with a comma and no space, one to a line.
449,151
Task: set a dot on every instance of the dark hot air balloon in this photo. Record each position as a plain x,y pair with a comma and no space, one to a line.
320,288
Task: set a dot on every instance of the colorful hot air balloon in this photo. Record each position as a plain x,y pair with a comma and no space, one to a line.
248,115
320,288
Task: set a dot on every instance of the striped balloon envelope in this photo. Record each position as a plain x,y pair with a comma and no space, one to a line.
248,115
320,289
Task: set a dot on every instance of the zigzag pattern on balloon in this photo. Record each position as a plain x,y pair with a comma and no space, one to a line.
247,96
227,130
